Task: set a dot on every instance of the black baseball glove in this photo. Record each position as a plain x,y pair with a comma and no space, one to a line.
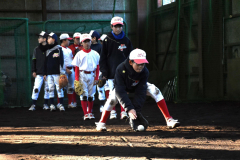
139,121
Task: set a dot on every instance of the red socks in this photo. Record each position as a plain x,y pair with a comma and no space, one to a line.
90,106
70,98
107,94
104,117
84,107
163,107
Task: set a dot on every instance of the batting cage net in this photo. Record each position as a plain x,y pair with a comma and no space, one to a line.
15,71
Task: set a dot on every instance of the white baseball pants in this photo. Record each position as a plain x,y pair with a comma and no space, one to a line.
53,80
37,87
88,85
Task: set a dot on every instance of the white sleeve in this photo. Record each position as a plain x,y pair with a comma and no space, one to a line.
76,60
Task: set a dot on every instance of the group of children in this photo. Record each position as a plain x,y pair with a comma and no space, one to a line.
84,61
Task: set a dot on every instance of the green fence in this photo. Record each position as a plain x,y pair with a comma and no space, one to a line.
15,88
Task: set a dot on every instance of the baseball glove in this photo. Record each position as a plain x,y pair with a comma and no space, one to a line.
139,121
78,87
101,81
63,81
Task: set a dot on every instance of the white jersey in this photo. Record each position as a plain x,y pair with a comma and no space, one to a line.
86,61
68,57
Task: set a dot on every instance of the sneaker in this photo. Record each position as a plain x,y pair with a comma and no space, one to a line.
32,108
101,126
75,104
91,116
85,117
61,108
71,105
172,123
101,108
113,114
58,105
52,107
124,115
45,107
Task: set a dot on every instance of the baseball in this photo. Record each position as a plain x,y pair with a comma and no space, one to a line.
140,128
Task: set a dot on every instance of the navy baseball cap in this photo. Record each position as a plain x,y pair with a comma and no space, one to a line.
43,34
54,36
94,34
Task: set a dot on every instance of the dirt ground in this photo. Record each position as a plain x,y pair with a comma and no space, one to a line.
207,131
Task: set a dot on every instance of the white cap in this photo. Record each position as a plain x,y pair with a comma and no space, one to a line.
84,37
117,20
51,34
77,35
102,37
65,36
138,55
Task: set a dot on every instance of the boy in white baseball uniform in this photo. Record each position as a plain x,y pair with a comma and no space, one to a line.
54,67
68,57
38,61
86,64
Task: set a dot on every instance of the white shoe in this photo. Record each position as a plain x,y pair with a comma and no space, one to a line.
124,115
101,108
45,107
58,105
113,114
71,105
85,117
172,123
75,104
32,108
101,126
91,116
52,107
61,108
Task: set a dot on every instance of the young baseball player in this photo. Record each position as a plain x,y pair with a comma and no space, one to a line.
115,49
54,67
68,57
75,47
130,77
86,64
98,47
38,61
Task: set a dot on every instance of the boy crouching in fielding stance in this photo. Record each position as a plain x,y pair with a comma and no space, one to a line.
54,67
38,62
130,76
86,64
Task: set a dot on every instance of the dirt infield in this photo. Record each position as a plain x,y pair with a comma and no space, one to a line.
207,131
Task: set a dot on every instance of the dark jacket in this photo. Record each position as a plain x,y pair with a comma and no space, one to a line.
127,80
96,47
38,59
114,52
54,60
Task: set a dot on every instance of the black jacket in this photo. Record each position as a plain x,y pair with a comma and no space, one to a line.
54,61
97,47
38,59
127,80
114,52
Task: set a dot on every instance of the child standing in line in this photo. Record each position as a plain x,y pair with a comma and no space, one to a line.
86,64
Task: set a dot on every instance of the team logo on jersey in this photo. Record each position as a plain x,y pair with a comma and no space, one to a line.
121,47
55,55
135,83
